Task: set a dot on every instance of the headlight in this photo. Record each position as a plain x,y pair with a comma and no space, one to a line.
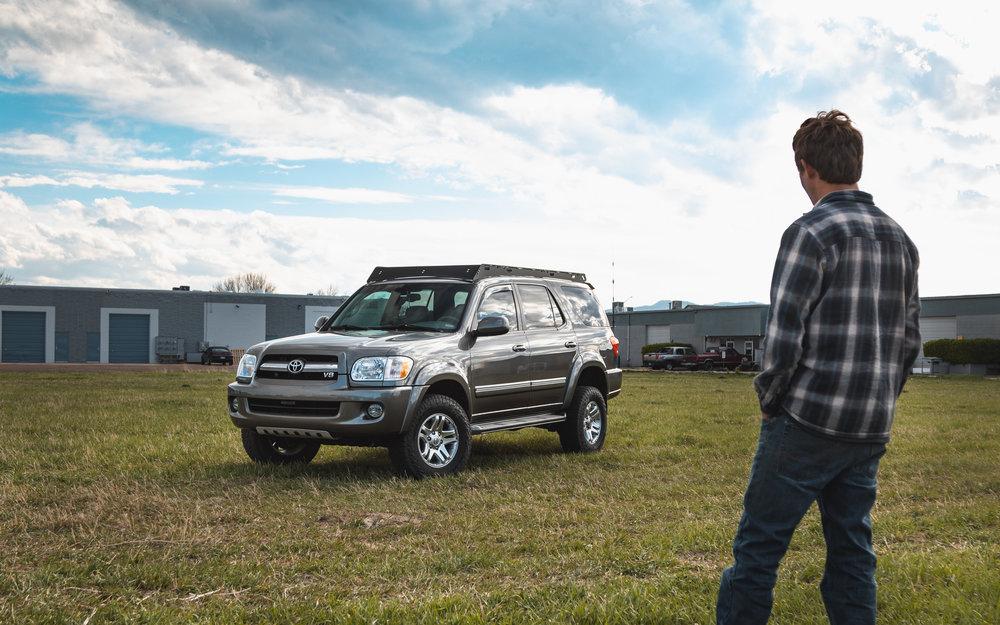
379,368
248,364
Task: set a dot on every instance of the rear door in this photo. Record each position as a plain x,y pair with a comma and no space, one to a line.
499,374
551,345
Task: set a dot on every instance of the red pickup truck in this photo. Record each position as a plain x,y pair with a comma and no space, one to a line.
726,357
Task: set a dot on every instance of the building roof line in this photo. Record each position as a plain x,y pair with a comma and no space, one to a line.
54,287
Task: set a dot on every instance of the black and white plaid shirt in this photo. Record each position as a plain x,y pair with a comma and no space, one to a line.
843,329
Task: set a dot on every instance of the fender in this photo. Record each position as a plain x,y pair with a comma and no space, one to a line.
586,358
428,375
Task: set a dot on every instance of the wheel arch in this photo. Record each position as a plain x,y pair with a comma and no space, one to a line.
588,372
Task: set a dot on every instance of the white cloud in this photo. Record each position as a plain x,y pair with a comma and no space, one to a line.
349,195
90,146
599,181
132,183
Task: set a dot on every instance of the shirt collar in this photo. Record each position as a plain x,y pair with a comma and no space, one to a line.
847,195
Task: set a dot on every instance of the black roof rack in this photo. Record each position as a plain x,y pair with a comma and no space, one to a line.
471,273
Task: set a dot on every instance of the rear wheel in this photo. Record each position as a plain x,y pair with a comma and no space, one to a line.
438,442
586,423
278,450
709,365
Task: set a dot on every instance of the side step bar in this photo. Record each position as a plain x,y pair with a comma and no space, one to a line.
516,423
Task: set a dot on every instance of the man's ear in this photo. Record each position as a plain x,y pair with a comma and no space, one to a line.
808,169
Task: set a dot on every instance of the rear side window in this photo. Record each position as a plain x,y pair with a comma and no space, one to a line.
583,307
540,309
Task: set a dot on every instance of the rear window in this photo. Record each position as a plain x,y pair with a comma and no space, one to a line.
583,307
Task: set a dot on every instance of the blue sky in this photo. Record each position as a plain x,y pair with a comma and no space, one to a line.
148,144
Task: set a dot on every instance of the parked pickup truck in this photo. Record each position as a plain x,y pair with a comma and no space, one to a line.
669,358
715,357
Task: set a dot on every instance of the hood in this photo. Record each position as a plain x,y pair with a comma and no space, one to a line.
377,343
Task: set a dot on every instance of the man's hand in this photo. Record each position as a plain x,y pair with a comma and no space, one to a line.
764,416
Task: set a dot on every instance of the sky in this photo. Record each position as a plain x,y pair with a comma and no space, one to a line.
147,144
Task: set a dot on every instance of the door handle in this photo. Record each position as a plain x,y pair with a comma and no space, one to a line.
569,344
520,348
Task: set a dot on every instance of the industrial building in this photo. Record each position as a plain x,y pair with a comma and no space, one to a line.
70,324
742,327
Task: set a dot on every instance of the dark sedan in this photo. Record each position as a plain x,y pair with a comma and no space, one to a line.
220,355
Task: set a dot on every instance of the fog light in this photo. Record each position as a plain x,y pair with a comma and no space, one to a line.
375,411
235,404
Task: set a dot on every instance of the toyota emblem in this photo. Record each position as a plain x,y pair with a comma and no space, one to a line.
296,366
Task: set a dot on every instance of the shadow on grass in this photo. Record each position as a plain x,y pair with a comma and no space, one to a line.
371,464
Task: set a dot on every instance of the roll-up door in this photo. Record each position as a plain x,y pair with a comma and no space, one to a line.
932,328
128,338
657,334
23,336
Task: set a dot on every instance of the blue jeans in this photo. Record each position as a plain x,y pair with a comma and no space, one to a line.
792,468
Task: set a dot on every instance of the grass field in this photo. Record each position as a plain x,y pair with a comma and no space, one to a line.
126,497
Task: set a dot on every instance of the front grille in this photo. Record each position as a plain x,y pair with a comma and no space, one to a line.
310,358
316,367
294,407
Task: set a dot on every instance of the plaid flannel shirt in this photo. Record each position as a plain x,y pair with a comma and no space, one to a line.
843,330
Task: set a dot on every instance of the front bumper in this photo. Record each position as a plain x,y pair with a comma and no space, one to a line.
351,422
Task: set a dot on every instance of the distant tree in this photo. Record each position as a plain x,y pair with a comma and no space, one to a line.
245,283
5,278
328,290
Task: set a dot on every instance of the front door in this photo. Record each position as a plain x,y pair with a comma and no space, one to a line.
551,343
499,375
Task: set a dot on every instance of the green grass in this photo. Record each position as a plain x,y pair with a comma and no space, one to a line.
127,496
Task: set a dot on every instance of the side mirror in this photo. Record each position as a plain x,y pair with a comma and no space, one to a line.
492,326
321,322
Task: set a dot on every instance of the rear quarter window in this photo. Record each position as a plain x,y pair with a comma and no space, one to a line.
583,307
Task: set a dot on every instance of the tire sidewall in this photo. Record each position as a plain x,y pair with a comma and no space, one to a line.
583,398
413,462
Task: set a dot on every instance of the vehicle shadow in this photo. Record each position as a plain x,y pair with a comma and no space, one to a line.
371,464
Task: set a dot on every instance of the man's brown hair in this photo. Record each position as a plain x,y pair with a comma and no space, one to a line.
831,145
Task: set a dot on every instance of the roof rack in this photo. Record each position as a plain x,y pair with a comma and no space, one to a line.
472,273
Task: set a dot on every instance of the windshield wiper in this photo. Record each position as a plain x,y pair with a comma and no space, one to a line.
347,326
406,326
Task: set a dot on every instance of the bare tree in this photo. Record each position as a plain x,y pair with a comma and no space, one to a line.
5,278
245,283
328,290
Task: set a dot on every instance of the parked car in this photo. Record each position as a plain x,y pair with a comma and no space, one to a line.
714,357
420,359
668,358
221,355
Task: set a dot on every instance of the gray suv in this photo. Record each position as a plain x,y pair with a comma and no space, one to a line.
420,359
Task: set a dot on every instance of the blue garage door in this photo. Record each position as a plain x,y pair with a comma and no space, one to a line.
128,338
23,336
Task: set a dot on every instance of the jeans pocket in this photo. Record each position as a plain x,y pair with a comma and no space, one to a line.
801,455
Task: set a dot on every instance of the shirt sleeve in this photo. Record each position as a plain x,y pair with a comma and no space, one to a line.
911,343
795,288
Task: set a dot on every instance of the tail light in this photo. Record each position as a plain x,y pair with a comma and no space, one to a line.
614,345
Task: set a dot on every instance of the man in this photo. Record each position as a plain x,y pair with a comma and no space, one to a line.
842,335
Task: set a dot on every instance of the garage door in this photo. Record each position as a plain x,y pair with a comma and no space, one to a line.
657,334
128,338
23,336
932,328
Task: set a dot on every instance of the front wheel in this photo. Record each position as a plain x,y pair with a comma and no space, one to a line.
586,424
438,442
278,450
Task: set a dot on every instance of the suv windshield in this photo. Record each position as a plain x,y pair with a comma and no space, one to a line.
435,307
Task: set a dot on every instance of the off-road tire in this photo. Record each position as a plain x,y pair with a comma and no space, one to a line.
405,451
275,450
573,432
